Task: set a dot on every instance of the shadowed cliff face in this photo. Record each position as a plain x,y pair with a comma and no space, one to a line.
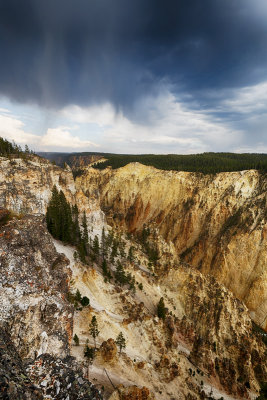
217,223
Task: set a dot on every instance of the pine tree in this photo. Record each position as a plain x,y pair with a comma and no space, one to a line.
76,340
59,218
65,219
103,243
89,353
53,214
161,309
78,296
122,249
130,254
109,239
76,233
104,267
83,242
95,248
120,276
114,250
120,341
93,329
85,229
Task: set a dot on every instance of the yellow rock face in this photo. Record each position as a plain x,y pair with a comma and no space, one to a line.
217,223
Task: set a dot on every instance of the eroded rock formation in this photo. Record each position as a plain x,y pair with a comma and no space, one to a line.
202,226
217,223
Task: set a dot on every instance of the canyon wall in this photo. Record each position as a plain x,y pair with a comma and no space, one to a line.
217,223
26,185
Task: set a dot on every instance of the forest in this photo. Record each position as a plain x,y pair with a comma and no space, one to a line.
207,163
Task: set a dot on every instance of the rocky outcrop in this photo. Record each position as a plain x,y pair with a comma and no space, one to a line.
217,223
61,378
14,381
34,284
36,313
26,185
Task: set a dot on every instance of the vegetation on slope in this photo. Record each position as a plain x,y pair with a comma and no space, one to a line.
7,149
63,223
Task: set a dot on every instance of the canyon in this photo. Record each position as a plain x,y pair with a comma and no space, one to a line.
217,223
209,232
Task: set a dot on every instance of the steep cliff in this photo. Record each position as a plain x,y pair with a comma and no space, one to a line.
217,223
36,318
26,185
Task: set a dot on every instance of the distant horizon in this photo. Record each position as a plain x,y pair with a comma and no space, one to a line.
144,154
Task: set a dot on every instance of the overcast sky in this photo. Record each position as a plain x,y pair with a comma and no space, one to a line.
136,76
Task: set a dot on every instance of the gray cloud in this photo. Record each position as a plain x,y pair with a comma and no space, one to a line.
60,52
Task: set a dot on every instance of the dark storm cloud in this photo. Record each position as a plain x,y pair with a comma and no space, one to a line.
57,52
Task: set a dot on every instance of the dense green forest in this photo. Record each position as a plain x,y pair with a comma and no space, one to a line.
63,223
206,163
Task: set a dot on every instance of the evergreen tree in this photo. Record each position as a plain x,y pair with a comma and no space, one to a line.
104,267
122,249
93,329
85,229
89,354
76,340
76,233
114,250
95,248
103,243
59,218
130,254
65,219
120,276
85,301
109,239
78,296
83,240
52,217
106,270
120,341
161,309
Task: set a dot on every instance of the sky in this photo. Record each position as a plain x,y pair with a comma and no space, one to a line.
136,76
